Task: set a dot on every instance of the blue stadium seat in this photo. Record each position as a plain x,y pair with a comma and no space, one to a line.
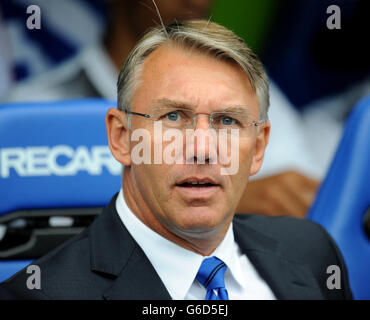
56,173
342,205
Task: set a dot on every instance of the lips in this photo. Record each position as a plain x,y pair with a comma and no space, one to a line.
198,189
195,182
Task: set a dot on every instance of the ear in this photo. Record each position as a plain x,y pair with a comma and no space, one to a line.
260,147
118,136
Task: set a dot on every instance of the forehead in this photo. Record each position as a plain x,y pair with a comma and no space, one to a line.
193,77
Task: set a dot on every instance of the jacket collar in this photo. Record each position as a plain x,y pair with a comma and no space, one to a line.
115,254
289,280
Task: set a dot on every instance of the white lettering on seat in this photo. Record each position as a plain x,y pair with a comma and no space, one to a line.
43,161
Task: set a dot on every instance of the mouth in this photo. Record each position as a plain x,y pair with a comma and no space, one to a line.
197,183
197,187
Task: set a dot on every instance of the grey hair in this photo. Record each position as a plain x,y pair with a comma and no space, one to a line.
202,35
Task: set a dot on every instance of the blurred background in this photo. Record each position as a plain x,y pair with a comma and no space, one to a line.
317,74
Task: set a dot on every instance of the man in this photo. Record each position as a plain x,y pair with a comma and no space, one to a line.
171,232
282,187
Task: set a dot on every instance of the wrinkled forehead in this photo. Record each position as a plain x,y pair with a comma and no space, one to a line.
172,76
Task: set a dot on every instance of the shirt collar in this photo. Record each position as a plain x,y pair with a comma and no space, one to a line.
176,266
228,251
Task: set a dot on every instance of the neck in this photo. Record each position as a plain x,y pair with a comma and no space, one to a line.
201,243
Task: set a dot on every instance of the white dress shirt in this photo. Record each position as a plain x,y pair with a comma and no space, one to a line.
177,267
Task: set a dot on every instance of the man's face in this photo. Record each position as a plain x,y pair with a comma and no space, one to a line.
206,85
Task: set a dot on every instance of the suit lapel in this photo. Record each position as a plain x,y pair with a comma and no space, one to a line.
287,279
116,256
137,281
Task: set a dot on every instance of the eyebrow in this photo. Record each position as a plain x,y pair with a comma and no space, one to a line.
238,109
168,103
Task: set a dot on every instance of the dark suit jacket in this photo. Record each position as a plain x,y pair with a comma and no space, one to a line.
105,262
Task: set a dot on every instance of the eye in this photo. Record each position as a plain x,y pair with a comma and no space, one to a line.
173,116
228,121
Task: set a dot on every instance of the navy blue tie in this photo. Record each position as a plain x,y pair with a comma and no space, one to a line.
211,276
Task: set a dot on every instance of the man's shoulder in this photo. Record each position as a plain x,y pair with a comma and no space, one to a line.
59,268
64,273
278,226
298,239
299,242
70,270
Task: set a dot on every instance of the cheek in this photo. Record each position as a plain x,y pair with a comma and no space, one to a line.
155,176
245,161
246,150
153,185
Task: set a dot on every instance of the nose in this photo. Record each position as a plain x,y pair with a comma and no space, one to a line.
202,121
203,145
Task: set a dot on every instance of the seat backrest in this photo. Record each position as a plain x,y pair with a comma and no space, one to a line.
343,201
55,154
56,173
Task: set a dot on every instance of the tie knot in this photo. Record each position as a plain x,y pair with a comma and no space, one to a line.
211,273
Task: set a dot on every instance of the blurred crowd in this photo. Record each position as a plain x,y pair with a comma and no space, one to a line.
316,73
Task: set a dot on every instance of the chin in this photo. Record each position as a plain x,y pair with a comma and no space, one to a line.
199,219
